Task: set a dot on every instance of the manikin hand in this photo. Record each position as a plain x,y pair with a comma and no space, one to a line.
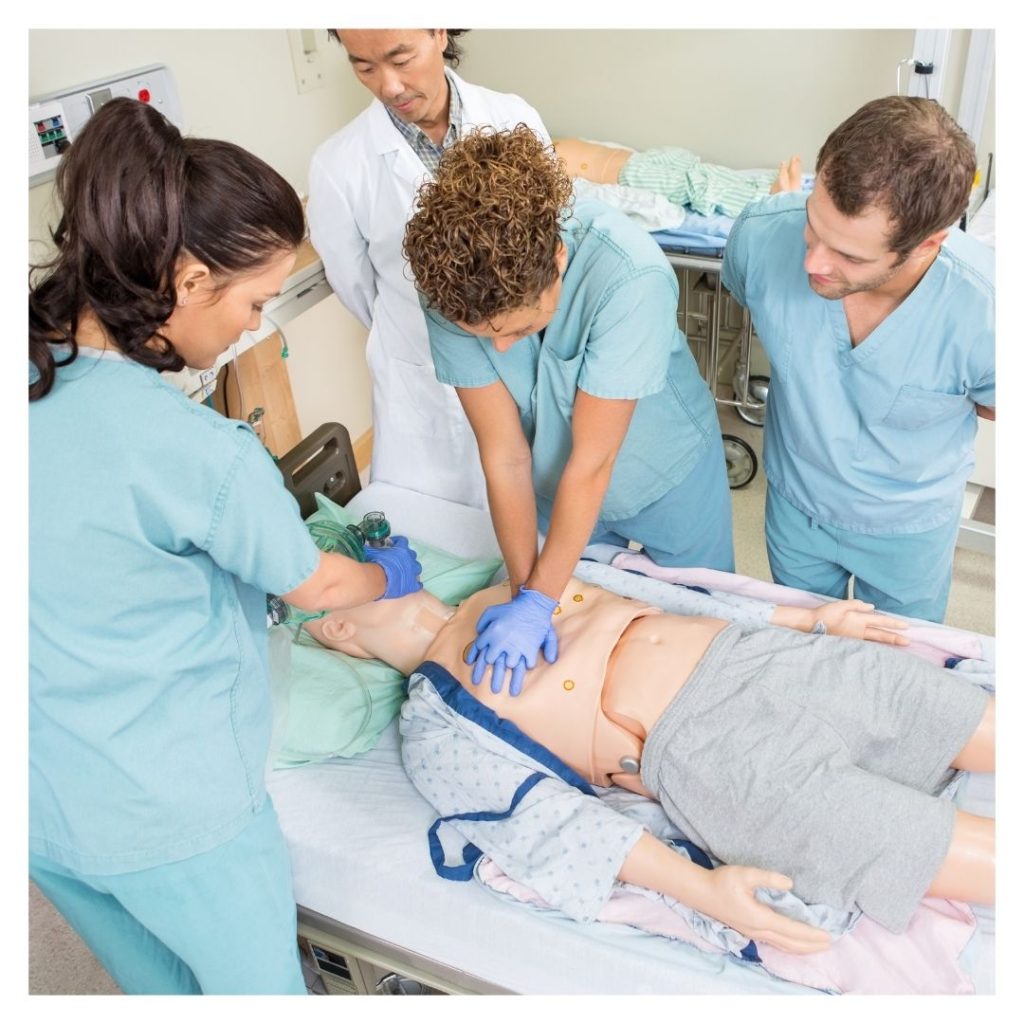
401,567
725,893
510,635
730,898
859,620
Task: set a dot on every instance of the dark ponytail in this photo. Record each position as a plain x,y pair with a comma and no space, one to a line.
135,198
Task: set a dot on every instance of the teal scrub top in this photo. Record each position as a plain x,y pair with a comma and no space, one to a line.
614,335
156,529
877,438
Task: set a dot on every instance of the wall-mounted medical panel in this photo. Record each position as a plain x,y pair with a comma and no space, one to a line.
55,119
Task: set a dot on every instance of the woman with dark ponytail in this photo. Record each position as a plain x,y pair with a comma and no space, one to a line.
157,527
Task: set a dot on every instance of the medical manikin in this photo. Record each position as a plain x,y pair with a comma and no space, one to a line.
677,174
812,757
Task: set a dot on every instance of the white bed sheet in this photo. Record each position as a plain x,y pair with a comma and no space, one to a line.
357,832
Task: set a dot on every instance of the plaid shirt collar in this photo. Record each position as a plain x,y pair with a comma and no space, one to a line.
422,146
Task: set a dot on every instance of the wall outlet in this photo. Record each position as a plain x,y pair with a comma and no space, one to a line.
307,46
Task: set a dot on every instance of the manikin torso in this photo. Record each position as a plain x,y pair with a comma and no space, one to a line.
591,160
620,664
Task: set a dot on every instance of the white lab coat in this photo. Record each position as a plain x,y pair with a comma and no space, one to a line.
362,187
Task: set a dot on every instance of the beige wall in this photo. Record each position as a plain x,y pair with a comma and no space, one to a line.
237,85
743,98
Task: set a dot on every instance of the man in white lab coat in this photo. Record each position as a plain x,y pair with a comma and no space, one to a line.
362,187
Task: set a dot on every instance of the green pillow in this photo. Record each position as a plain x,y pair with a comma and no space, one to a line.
329,704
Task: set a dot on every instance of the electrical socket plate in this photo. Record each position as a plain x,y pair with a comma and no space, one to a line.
307,46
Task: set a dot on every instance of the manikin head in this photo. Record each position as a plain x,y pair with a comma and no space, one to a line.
397,632
891,180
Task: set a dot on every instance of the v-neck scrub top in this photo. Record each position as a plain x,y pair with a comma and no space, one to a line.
877,438
157,527
614,335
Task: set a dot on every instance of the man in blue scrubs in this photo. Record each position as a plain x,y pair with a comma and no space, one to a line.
878,319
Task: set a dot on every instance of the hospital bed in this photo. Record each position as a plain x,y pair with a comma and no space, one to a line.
374,916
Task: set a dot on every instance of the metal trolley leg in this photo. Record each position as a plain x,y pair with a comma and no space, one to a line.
749,392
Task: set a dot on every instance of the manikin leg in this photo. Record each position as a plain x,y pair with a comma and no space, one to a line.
968,872
979,753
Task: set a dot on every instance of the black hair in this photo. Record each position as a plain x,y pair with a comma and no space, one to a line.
452,52
136,196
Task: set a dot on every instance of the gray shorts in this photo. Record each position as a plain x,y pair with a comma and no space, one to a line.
819,757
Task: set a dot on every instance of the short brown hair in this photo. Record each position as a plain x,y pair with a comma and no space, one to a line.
906,156
485,236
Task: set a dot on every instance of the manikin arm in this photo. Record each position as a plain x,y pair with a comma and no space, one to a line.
856,619
725,893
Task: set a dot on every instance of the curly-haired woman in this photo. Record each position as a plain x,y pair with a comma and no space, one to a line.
557,326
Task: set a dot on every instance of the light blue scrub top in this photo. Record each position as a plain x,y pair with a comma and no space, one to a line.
877,438
157,527
614,335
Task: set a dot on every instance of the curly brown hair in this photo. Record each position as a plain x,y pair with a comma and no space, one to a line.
906,155
485,236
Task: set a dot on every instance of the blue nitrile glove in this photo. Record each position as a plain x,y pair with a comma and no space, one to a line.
509,635
400,565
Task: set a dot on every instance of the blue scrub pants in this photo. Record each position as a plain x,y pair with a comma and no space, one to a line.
904,574
689,526
223,921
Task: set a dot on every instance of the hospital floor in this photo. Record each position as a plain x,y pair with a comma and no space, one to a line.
59,963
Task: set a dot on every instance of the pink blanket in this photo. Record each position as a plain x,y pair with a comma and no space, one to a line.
867,959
